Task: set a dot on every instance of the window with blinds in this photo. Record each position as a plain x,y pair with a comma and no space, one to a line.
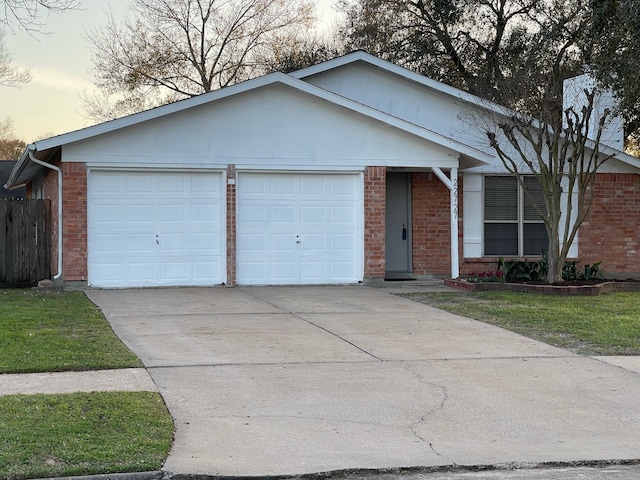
512,224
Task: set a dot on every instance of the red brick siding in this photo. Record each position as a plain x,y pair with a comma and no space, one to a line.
50,191
74,221
431,224
375,188
231,226
611,232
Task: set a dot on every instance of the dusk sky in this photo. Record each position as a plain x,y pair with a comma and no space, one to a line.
59,59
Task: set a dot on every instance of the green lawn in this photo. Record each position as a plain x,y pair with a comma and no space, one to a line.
81,434
57,332
76,434
588,325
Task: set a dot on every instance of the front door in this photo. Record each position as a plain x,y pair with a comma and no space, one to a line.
398,231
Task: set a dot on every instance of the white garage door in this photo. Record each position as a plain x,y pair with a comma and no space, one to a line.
154,229
298,229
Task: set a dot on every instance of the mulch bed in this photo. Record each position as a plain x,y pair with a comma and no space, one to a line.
580,287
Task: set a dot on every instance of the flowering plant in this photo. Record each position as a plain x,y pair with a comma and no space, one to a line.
494,277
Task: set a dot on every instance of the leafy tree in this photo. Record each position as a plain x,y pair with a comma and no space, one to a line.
613,52
475,45
175,49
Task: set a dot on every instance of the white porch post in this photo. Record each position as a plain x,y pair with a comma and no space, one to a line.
452,185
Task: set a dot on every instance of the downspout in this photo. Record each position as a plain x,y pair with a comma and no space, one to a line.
452,184
31,149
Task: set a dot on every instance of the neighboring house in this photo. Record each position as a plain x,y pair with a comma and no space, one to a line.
6,166
338,173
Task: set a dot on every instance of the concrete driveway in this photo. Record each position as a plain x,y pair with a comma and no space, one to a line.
292,380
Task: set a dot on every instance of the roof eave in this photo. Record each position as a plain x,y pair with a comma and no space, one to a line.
12,181
25,170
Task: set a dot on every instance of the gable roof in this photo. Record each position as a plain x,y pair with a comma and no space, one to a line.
43,149
455,93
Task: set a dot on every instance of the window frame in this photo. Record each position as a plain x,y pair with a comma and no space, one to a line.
521,221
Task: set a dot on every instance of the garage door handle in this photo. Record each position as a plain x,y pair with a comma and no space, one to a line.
157,240
404,232
298,240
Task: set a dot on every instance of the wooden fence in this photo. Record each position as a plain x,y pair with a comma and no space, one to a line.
25,242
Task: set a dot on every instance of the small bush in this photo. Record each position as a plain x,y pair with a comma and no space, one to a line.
520,271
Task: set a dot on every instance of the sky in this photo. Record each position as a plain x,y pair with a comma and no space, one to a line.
59,58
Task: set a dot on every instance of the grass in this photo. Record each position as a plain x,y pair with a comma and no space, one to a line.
588,325
57,332
80,434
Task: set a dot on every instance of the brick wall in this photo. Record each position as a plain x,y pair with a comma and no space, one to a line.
50,191
375,188
231,226
611,233
431,225
74,221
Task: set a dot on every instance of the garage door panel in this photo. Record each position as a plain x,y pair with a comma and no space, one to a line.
158,226
283,270
281,214
342,187
248,242
140,244
346,215
170,183
173,213
206,244
140,270
313,243
109,242
203,213
313,186
342,269
140,214
292,228
137,185
281,186
173,244
255,214
251,271
109,185
345,243
312,214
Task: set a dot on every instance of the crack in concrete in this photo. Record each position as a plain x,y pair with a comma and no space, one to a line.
414,426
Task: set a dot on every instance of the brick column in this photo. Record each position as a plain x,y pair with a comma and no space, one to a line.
74,221
375,192
231,225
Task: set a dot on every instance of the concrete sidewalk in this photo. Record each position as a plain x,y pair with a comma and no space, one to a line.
294,380
122,380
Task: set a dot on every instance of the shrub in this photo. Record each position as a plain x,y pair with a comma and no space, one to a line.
493,277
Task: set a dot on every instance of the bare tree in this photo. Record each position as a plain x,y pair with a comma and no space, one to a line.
11,75
28,13
562,149
10,148
176,49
